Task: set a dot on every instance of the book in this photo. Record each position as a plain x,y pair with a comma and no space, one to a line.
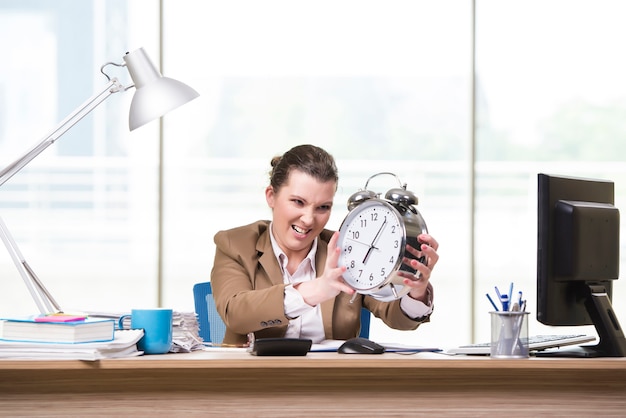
123,345
81,331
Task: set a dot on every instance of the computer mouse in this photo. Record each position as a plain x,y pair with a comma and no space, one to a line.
360,345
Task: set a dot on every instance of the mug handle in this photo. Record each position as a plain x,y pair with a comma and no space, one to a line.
120,322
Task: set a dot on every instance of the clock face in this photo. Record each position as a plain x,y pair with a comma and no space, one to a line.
372,239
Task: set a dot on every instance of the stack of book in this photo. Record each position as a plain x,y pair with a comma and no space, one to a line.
65,337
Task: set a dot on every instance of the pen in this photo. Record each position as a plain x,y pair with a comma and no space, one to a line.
519,299
511,292
498,292
505,302
492,303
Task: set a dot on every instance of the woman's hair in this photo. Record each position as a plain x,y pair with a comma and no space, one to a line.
308,159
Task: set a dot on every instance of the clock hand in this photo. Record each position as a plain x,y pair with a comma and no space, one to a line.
378,233
367,254
369,251
358,242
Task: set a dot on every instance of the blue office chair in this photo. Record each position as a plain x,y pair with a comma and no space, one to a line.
365,323
212,328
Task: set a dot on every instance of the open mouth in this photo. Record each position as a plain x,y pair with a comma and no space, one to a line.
299,230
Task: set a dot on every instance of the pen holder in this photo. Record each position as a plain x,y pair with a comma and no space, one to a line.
509,334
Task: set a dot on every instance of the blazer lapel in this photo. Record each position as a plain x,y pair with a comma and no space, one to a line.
328,306
267,259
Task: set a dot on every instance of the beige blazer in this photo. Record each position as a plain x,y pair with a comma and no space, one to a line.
248,289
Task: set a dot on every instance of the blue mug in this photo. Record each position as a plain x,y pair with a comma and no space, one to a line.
157,329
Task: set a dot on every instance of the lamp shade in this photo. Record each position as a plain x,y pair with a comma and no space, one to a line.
155,95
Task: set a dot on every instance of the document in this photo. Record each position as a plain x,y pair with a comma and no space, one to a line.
333,345
123,345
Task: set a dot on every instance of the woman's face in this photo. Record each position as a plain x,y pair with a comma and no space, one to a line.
301,210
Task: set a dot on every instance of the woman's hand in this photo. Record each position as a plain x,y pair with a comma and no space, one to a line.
418,282
330,283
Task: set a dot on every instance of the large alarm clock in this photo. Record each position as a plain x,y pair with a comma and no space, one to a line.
373,238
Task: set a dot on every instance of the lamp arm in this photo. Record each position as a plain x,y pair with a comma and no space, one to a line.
44,301
42,298
165,93
72,119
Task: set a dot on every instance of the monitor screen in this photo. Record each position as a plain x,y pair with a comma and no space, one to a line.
578,259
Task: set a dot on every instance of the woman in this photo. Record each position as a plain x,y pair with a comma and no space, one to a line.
280,278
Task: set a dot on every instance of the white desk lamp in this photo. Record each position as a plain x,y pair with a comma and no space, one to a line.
155,95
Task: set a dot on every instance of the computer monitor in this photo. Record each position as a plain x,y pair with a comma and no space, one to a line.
578,259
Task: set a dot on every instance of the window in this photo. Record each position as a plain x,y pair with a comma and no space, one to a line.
549,100
84,212
382,86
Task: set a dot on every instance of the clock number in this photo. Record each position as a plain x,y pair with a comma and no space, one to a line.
393,229
363,223
371,277
352,264
374,216
355,235
349,249
382,272
395,244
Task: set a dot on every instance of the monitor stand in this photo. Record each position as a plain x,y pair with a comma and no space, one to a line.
612,342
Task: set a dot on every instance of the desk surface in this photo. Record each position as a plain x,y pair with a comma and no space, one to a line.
319,384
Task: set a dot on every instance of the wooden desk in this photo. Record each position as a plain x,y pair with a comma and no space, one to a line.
320,384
